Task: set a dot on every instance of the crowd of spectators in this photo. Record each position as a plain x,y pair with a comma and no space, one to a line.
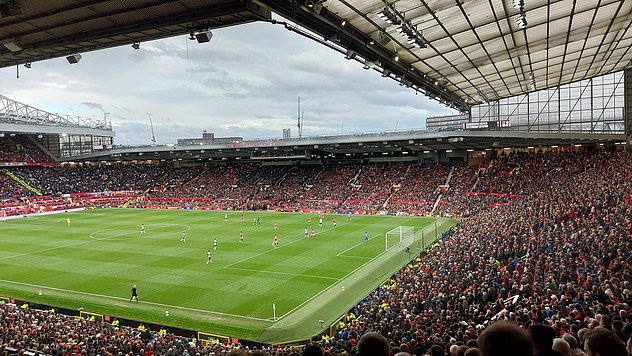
374,185
455,199
291,186
541,260
330,187
10,190
564,252
86,178
420,188
413,187
19,148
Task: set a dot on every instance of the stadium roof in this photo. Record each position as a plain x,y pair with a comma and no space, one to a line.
460,52
479,50
34,30
377,145
16,117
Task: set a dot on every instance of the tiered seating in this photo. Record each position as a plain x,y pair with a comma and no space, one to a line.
330,187
20,148
374,186
419,188
65,180
558,254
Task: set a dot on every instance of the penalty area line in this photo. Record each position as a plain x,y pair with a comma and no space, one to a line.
330,286
354,246
282,273
126,300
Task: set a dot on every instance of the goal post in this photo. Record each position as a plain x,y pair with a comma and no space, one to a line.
402,236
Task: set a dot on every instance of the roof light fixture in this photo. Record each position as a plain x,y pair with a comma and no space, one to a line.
13,46
204,36
73,58
522,21
522,17
389,15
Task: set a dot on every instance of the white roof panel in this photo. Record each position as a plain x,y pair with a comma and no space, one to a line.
478,47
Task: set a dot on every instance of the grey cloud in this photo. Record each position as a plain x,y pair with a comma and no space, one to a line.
242,83
93,106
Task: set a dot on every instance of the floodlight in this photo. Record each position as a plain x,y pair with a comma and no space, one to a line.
204,36
136,45
27,64
73,58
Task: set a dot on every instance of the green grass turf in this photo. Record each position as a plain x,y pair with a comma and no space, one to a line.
93,263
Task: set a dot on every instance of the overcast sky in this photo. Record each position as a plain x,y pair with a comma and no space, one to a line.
245,82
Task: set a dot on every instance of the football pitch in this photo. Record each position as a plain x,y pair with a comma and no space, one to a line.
251,290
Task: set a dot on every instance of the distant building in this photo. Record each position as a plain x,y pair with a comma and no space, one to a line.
209,138
287,134
447,123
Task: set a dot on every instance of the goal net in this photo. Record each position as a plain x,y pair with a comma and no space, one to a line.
400,237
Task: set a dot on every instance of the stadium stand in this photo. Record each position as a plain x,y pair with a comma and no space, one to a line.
545,239
419,188
86,179
20,148
373,186
10,189
330,187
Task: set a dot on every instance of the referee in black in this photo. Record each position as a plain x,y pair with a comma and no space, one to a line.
134,294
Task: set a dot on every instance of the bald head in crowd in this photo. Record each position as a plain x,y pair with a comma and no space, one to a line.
373,344
505,338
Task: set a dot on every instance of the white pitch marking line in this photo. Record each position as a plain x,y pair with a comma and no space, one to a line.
276,248
282,273
358,257
335,283
329,287
45,250
76,243
356,245
125,299
159,226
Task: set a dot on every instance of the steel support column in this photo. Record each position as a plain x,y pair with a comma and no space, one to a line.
628,104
